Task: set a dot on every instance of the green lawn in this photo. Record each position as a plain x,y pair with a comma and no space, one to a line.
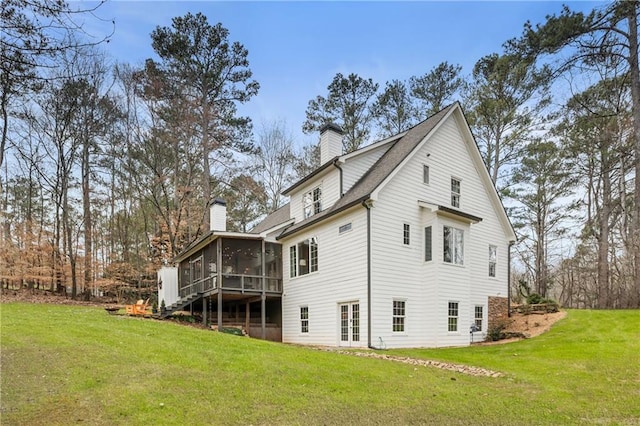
66,365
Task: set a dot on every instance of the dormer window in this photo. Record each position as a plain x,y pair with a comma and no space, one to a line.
312,202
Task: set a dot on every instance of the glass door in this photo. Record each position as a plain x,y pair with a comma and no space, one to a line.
349,323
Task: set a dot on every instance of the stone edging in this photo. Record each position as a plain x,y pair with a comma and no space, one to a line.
458,368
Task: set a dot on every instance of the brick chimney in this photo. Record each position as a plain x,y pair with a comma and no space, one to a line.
218,215
330,142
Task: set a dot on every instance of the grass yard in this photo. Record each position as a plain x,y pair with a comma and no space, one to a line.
69,364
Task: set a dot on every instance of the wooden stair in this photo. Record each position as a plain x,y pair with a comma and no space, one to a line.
181,303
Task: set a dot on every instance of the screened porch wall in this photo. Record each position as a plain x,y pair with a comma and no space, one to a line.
198,272
242,265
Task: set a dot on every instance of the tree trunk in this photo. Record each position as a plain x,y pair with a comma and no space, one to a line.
86,208
206,172
604,296
496,159
634,71
68,240
4,104
541,264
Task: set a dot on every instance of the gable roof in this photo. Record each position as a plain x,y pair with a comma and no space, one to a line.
378,173
278,217
311,175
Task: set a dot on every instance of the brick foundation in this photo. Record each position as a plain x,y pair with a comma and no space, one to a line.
498,310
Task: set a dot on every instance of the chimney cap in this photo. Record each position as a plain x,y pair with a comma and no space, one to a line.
331,126
218,201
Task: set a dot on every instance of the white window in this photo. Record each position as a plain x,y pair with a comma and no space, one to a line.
303,258
478,317
493,254
304,319
313,254
398,315
453,245
455,192
406,234
344,228
312,202
425,174
292,262
427,244
453,316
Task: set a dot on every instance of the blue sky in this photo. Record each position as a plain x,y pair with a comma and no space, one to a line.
295,48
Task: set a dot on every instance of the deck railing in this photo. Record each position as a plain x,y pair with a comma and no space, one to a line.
200,286
251,283
242,282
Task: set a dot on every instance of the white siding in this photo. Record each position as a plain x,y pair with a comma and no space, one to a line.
329,181
355,167
169,291
341,277
400,271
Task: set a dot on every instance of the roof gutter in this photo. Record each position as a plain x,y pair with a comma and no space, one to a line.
318,217
511,243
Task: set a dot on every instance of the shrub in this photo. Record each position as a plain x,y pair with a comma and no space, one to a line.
496,330
534,299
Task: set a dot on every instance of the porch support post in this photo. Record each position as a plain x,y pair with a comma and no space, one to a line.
219,279
263,318
247,319
204,310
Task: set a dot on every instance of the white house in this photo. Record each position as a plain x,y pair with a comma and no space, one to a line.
403,243
398,244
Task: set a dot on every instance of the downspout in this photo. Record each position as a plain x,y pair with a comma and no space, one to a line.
366,205
509,278
335,163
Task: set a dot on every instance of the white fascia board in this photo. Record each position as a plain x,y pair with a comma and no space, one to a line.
264,234
371,147
427,205
239,235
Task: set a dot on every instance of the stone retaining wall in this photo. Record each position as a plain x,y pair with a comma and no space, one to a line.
498,310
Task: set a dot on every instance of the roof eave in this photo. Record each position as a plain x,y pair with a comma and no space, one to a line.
310,176
320,218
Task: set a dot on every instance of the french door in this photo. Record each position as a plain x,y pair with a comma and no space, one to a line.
349,323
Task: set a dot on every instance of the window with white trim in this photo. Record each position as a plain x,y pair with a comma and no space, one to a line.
398,315
428,255
304,319
406,234
455,192
453,245
478,317
452,323
312,202
303,258
493,257
425,174
293,271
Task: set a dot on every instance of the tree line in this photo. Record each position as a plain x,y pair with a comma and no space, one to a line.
108,168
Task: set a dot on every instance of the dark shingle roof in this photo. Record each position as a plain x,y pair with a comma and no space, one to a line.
368,183
276,218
